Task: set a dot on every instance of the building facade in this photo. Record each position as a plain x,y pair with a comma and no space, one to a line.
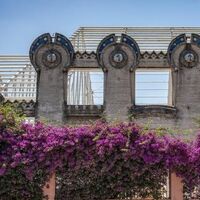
121,73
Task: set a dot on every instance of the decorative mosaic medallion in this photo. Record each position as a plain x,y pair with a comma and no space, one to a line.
189,58
118,58
51,58
51,51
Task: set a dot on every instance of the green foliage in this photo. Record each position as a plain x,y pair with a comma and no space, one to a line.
15,186
197,121
11,117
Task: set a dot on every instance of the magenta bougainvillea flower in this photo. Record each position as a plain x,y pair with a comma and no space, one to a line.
103,160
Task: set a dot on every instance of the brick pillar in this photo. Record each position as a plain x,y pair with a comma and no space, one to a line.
176,187
50,187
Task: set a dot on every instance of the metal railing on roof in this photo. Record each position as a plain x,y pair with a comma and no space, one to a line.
148,38
17,78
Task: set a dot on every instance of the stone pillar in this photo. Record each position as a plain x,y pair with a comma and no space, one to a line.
183,56
51,56
118,57
176,187
49,188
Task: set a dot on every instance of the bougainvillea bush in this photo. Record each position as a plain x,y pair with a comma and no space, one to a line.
14,183
97,161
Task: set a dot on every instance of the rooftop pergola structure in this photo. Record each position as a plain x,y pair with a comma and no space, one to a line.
148,38
18,81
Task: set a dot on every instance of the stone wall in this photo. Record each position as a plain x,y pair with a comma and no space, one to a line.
118,59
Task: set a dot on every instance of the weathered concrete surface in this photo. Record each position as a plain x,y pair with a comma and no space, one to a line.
51,57
148,60
118,95
50,92
119,88
185,96
119,81
187,92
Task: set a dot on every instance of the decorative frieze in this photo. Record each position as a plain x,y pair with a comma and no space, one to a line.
147,59
85,55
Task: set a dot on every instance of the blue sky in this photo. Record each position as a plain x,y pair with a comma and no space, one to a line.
21,21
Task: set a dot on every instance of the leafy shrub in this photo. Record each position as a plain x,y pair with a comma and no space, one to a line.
10,117
14,185
14,182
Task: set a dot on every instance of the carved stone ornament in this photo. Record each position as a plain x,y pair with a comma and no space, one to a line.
183,51
188,58
118,58
51,51
118,52
51,58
